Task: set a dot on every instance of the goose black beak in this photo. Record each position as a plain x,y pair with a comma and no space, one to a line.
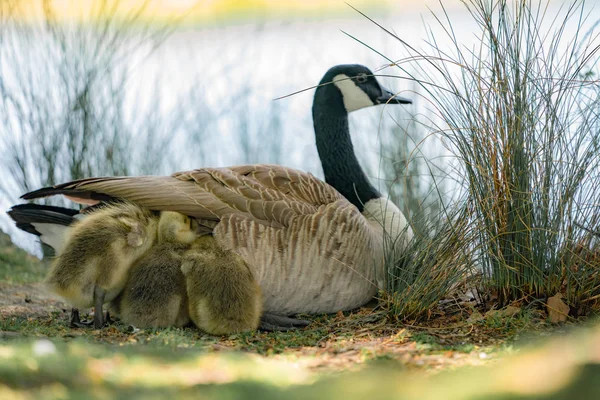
390,98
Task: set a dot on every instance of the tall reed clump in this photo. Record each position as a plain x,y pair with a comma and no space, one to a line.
434,263
521,111
437,260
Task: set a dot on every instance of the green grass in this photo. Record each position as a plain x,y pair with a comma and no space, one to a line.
18,266
40,368
83,369
41,357
265,343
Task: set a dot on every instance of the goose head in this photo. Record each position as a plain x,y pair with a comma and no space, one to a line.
350,87
343,89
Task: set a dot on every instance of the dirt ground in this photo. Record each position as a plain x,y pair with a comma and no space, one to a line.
355,354
331,343
28,300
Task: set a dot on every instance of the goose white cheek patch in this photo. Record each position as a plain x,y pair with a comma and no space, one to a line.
354,97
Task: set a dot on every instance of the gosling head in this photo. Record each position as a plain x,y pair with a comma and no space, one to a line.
174,227
350,87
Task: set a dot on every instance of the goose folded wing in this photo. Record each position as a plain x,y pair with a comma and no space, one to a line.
270,194
289,182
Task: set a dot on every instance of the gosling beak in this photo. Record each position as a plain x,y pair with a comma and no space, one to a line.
388,97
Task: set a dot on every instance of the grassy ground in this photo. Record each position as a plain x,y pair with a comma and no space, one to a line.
351,354
16,265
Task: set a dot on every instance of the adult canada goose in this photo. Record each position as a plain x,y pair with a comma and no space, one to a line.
155,291
92,267
313,247
223,295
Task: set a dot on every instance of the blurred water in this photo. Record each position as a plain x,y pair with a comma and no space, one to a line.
276,59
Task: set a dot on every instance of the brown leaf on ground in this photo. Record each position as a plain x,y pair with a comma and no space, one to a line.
557,309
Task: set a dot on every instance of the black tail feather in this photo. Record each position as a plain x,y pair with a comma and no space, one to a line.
25,215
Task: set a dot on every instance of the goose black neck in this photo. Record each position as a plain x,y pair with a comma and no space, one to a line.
340,165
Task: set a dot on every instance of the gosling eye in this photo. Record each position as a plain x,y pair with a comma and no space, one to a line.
361,77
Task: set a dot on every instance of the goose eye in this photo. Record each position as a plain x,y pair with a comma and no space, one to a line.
361,78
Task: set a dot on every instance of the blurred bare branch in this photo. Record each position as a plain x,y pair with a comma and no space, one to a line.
65,112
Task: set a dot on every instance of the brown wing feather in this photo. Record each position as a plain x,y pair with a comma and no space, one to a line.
271,194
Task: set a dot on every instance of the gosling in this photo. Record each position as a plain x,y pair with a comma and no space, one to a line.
222,293
99,250
155,292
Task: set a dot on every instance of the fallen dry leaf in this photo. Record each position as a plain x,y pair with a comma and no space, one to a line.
557,309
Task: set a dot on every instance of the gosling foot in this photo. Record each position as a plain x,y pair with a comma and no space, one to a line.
99,320
75,321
